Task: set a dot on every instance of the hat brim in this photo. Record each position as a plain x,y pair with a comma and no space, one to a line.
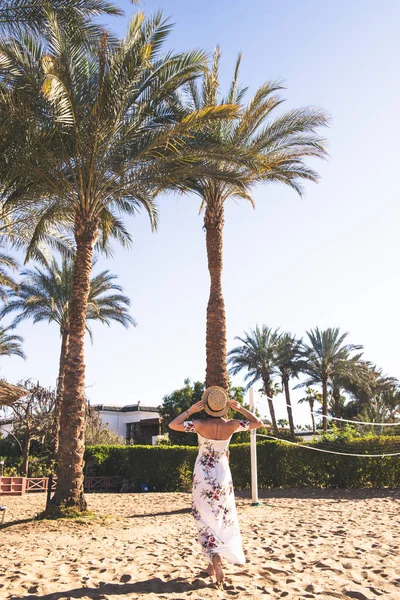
214,413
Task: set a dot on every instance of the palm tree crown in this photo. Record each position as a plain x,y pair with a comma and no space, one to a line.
99,130
45,295
326,355
256,355
17,16
7,282
370,385
10,344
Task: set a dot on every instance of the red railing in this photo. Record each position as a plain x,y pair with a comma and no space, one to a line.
101,483
39,484
18,486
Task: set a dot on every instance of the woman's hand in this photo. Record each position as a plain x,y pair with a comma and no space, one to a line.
254,421
196,407
178,423
234,405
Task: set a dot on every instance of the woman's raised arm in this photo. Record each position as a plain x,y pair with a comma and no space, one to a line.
254,422
177,423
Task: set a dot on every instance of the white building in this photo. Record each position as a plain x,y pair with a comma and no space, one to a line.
6,427
137,423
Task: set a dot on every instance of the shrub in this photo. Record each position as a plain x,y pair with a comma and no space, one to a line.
39,466
280,465
169,468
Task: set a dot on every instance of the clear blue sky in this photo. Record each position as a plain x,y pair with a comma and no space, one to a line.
328,260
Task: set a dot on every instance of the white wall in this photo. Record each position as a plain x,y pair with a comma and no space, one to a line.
6,429
113,420
118,420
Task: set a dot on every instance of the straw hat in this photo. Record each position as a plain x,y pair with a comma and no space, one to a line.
215,401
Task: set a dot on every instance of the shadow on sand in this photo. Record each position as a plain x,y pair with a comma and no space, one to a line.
322,493
166,513
16,522
149,586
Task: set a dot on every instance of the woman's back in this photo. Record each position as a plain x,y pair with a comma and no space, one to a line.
216,429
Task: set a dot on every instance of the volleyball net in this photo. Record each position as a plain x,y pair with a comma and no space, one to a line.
344,437
357,438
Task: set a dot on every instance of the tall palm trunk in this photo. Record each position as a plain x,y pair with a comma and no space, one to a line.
60,387
25,454
268,392
285,383
216,369
324,404
311,402
69,491
337,407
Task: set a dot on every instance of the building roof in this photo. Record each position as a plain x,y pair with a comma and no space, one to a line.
126,408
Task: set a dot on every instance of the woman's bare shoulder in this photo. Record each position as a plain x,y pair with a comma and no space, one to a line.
207,427
233,424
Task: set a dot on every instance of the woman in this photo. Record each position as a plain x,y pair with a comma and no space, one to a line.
214,506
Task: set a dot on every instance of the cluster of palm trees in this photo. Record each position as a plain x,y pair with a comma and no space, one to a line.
44,294
350,387
93,128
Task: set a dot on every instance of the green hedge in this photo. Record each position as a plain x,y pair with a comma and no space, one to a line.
39,466
280,465
169,468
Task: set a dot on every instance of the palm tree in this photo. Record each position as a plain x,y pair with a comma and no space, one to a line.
45,295
95,134
375,412
273,150
10,344
348,373
257,356
324,356
371,387
30,15
7,282
288,360
311,396
390,398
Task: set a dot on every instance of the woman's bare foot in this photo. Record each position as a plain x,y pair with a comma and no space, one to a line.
210,569
219,574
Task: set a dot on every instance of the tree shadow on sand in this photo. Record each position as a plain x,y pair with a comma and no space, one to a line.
323,493
16,522
149,586
166,513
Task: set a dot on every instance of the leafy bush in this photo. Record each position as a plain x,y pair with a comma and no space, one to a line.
169,468
280,465
12,466
9,447
39,466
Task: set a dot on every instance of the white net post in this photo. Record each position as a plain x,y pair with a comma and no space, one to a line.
253,456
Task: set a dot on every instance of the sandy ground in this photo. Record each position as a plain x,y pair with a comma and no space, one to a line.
298,544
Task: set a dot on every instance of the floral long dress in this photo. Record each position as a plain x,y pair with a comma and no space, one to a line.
214,507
